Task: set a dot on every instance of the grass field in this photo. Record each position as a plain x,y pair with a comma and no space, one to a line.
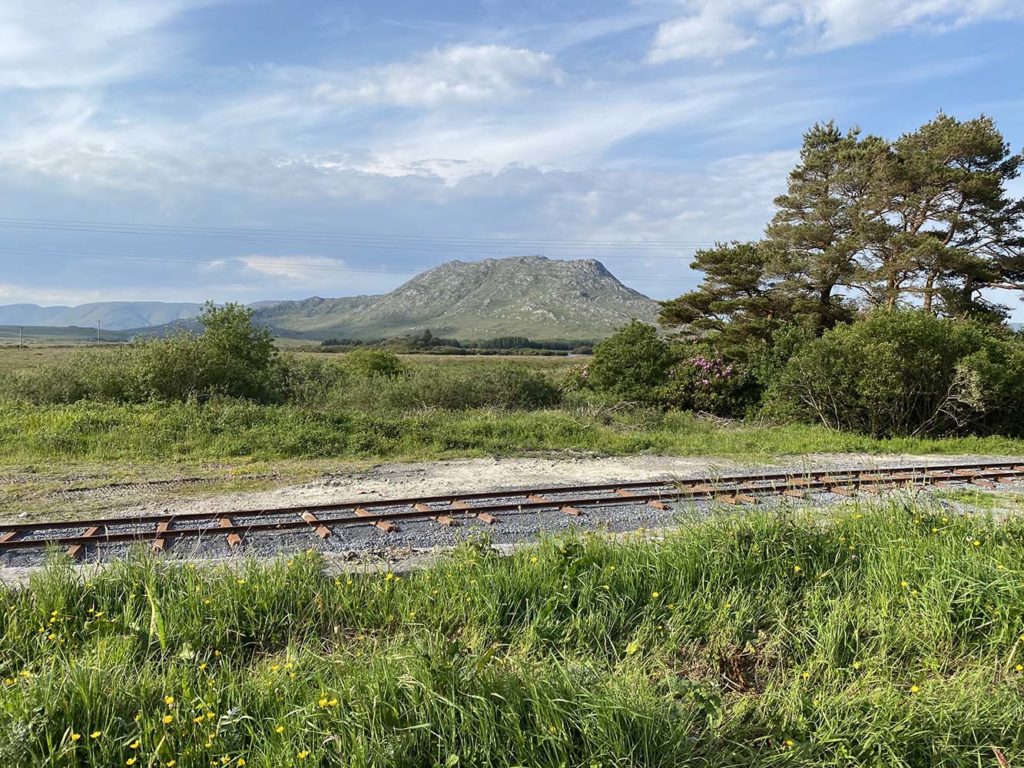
224,430
13,358
884,636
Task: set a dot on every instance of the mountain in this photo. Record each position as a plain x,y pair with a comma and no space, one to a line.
530,296
520,296
112,315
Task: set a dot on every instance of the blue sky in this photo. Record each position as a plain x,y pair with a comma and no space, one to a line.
254,149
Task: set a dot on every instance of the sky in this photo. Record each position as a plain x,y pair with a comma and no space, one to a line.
246,150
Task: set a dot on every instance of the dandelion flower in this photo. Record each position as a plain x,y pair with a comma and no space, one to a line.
135,744
303,754
95,734
131,761
797,569
240,761
904,584
790,743
279,729
655,594
534,559
976,543
167,719
75,736
1019,667
915,689
322,702
168,700
171,763
856,665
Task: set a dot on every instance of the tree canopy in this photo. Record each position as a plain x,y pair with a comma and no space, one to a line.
922,221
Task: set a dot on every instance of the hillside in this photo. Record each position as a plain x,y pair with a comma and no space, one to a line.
524,295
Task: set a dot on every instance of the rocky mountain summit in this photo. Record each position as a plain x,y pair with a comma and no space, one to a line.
520,296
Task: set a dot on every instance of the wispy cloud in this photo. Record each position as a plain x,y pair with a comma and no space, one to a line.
714,28
74,44
454,75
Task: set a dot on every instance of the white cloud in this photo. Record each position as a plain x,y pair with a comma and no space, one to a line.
78,44
707,34
453,75
301,268
714,28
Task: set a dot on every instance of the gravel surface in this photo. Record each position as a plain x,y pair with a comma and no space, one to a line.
361,544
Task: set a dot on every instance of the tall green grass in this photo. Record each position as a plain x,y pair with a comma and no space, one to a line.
888,636
225,429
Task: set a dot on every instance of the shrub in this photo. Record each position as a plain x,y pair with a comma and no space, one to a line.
632,364
505,385
906,373
710,385
374,362
231,358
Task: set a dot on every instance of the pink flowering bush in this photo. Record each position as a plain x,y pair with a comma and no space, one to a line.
711,385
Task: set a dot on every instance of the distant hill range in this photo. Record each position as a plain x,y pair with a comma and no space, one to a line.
529,296
112,315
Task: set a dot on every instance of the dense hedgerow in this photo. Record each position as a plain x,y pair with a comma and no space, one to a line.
907,373
888,636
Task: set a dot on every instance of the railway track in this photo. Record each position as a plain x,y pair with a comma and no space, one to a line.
162,531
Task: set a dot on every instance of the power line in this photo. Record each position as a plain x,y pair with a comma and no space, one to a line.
360,239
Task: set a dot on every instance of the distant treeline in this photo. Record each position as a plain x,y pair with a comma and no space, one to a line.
427,343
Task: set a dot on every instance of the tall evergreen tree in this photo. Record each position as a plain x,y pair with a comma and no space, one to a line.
737,300
948,227
815,235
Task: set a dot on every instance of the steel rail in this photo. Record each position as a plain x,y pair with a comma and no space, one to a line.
749,485
508,493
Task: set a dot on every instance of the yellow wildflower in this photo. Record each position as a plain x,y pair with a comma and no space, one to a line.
135,744
95,734
167,719
168,700
915,689
303,754
279,729
75,736
131,761
655,594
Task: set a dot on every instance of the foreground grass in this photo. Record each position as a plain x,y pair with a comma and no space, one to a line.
892,636
92,431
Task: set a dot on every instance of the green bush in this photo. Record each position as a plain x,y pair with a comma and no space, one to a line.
374,362
232,358
906,373
631,365
506,385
